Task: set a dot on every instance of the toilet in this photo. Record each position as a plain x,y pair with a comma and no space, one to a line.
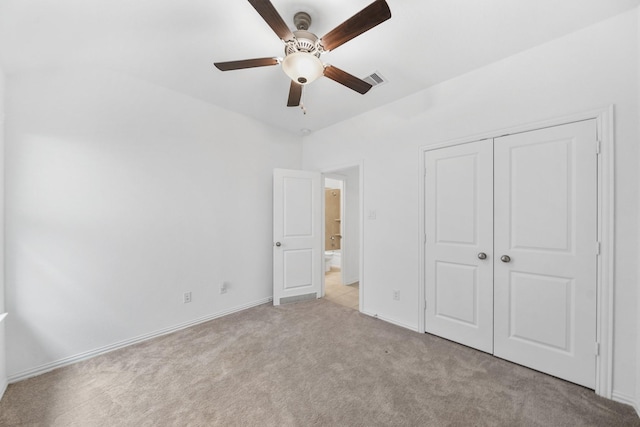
328,255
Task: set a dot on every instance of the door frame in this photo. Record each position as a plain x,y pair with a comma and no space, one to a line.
605,285
331,172
343,224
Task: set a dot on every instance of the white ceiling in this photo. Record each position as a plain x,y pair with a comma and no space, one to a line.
173,43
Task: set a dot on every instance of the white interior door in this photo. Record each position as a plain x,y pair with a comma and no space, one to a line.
297,235
459,242
545,222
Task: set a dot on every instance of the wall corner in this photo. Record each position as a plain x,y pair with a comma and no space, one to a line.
637,112
3,365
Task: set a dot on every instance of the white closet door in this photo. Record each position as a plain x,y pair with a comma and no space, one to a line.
458,225
545,222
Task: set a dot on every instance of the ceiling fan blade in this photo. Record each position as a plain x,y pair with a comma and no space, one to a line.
273,18
372,15
344,78
246,63
295,94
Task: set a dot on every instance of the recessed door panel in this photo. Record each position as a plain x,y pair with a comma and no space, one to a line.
299,267
541,195
298,218
545,193
458,225
457,292
456,211
541,310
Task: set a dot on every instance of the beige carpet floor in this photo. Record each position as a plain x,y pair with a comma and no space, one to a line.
313,363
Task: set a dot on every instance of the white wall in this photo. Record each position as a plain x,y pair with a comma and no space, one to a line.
589,69
638,262
351,249
122,195
332,183
3,366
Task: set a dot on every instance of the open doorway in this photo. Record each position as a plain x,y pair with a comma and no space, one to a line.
342,237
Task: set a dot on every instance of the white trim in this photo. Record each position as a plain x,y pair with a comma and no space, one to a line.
390,320
4,383
606,233
3,387
422,293
606,204
526,127
121,344
337,169
626,399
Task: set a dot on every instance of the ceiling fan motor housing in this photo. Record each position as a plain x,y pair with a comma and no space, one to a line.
304,41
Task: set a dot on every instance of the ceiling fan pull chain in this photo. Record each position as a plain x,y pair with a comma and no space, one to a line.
304,110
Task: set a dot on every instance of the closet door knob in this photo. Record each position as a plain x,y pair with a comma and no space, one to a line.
505,258
278,244
482,255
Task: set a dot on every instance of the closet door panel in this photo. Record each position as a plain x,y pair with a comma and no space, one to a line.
545,223
458,225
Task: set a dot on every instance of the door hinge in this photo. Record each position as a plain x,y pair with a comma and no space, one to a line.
425,172
597,348
597,248
425,305
424,238
598,146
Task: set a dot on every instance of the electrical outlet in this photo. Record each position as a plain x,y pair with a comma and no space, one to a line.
396,294
223,288
186,297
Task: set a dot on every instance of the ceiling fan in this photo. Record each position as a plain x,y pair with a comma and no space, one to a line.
303,48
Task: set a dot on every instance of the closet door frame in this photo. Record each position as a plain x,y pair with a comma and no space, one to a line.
605,284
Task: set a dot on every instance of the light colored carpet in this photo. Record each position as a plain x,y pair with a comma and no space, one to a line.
305,364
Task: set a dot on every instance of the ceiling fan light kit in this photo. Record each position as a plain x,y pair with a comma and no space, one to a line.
302,61
303,49
302,67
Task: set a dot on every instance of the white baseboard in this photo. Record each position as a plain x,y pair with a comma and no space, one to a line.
392,321
4,382
351,280
3,387
628,400
108,348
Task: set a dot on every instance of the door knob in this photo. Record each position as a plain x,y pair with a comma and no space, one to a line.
482,255
505,258
278,244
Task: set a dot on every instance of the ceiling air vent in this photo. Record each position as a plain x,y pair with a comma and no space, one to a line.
375,79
